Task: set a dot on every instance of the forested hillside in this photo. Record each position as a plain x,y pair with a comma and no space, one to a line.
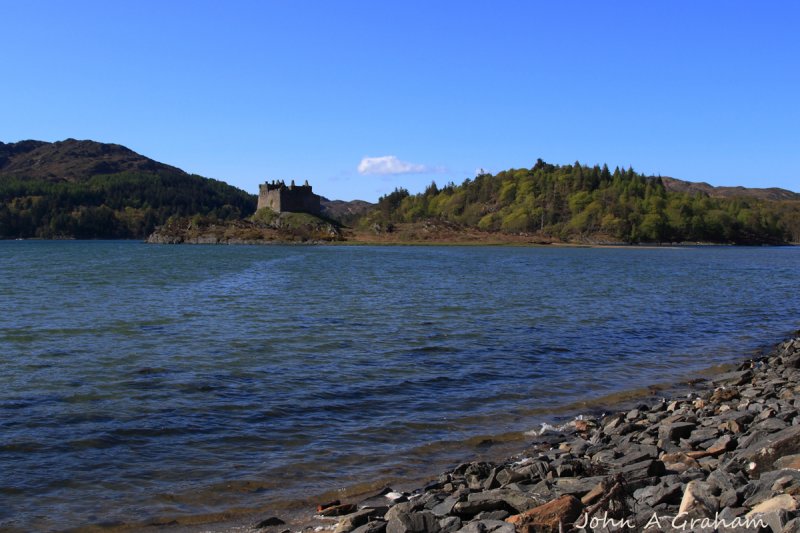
583,203
84,189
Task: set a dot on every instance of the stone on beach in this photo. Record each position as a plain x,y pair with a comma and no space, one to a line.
413,522
763,453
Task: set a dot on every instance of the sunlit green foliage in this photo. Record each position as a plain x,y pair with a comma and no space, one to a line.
576,202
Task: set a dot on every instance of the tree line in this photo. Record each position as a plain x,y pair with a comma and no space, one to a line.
579,202
127,205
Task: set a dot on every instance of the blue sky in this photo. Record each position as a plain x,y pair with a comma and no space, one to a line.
359,97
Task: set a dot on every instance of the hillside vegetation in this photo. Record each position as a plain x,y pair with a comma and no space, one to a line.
593,204
90,190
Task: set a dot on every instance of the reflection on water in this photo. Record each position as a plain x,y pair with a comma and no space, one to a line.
142,381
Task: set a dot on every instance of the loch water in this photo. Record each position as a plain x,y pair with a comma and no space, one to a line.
142,382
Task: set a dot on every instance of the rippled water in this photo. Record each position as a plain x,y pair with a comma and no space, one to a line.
155,381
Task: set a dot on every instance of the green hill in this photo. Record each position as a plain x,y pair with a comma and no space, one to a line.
579,203
86,189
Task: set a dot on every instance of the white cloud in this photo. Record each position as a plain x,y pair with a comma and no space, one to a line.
389,164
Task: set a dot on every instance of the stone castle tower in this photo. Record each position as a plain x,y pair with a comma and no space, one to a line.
294,198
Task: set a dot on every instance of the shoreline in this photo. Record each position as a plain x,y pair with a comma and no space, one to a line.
504,457
518,243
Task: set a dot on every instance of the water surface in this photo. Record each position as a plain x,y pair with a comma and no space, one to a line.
141,381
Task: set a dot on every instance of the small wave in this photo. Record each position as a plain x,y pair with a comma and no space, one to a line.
433,349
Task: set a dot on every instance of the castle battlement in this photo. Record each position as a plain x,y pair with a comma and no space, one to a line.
279,197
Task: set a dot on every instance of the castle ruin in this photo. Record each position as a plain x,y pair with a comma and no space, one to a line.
294,198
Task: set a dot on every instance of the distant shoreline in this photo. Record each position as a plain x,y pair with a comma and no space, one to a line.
489,243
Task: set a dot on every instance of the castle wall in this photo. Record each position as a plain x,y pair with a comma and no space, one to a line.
280,198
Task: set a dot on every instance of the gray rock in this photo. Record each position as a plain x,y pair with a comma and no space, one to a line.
402,508
793,526
468,509
359,518
375,526
631,458
728,498
703,434
576,486
676,431
646,468
417,522
734,378
770,425
446,507
760,455
507,476
449,524
604,456
270,522
487,526
579,446
764,488
728,517
492,515
516,500
698,500
774,511
657,494
491,481
543,490
788,461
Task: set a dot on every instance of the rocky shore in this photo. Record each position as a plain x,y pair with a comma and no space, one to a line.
726,459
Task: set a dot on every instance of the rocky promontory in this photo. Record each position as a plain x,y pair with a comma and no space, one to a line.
263,228
723,458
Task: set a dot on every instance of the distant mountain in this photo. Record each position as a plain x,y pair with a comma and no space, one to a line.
73,161
773,193
89,190
345,212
